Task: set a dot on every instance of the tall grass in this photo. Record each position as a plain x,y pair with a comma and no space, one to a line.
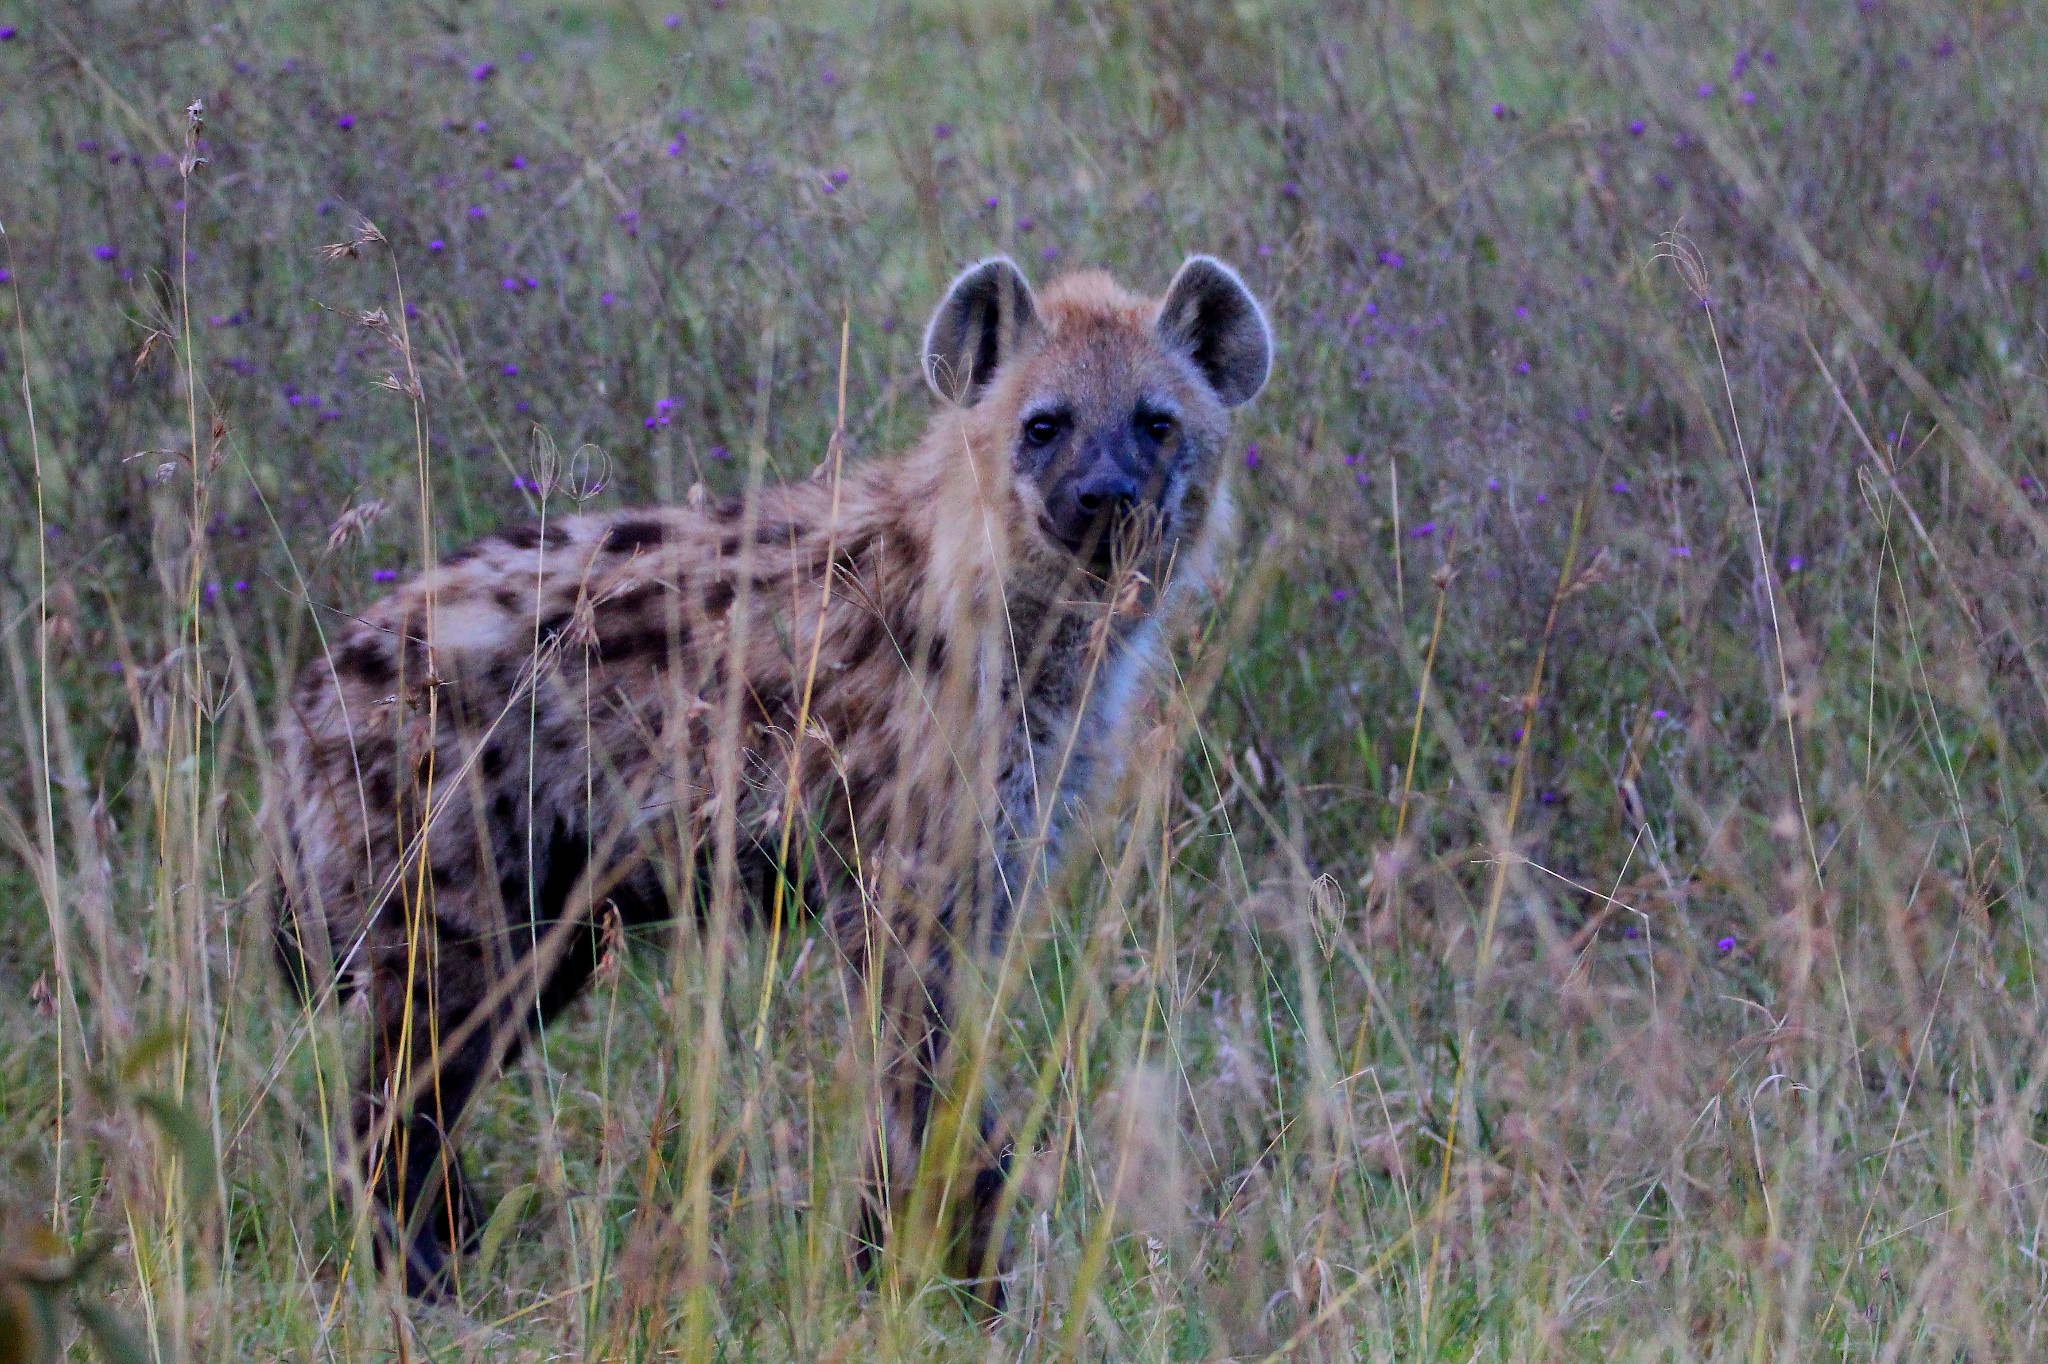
1576,900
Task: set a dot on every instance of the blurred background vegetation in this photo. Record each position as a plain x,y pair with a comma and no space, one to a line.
1580,904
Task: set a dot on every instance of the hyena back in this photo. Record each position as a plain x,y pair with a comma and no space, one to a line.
923,662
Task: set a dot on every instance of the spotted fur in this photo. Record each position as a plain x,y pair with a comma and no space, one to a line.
921,664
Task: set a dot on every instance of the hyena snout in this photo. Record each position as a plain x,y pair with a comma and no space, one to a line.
1092,512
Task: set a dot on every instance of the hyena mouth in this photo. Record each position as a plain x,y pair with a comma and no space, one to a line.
1112,539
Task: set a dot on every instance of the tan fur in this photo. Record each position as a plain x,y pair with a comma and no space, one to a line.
613,710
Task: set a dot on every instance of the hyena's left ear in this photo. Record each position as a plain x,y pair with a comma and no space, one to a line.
1210,315
987,314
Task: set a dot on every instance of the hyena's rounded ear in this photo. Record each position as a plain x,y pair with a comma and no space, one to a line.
1209,315
987,314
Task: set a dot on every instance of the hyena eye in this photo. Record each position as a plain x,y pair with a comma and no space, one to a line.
1158,428
1041,431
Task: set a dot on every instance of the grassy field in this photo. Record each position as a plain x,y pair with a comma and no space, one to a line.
1578,904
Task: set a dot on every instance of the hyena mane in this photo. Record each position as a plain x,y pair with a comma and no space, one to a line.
880,694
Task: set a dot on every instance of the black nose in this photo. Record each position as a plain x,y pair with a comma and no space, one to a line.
1107,491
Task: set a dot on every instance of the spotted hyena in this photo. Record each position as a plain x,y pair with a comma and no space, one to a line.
921,665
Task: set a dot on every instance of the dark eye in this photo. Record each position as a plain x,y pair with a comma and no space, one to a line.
1041,431
1158,428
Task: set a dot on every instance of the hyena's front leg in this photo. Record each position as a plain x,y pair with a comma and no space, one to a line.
429,1049
940,1180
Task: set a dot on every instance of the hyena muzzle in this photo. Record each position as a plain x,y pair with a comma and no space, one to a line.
921,665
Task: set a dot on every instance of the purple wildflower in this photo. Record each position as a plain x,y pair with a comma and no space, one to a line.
607,298
1338,596
6,33
1499,110
720,452
1049,253
1706,90
1251,455
1620,485
991,201
1493,485
1794,564
482,71
345,122
1423,531
672,21
509,284
1681,551
384,575
1747,97
1726,945
437,245
676,145
511,370
1637,127
478,211
105,252
1660,715
942,131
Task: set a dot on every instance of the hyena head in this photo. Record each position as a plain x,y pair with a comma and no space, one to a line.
1106,412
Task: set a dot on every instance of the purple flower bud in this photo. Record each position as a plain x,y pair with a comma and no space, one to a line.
676,145
720,452
1726,945
1660,715
1251,455
672,21
437,245
942,131
6,33
1338,596
1681,551
607,298
1049,253
482,71
1493,485
992,201
511,370
1794,564
384,575
1706,90
1499,110
105,252
1636,127
345,122
1423,531
1620,485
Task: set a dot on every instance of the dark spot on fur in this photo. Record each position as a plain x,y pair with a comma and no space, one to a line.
640,533
729,546
533,537
727,510
717,598
463,555
366,660
493,760
506,599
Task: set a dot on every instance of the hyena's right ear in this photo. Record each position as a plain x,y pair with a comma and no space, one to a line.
987,313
